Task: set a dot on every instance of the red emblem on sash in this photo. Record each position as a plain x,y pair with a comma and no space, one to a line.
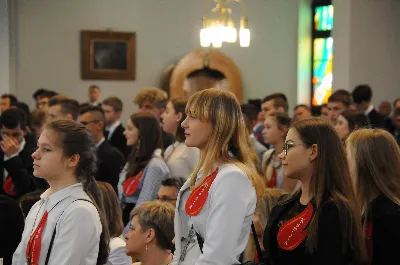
199,195
272,181
131,184
369,242
35,242
294,231
8,187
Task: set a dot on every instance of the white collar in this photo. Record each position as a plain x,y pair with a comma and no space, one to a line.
54,198
369,109
112,128
100,142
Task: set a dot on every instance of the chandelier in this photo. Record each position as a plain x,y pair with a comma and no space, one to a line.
219,27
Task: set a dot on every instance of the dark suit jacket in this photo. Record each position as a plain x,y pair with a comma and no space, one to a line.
20,169
385,216
118,140
376,119
110,164
11,227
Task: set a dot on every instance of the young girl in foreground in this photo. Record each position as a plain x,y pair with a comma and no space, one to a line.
65,227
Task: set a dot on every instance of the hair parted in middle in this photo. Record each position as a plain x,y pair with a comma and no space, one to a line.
229,140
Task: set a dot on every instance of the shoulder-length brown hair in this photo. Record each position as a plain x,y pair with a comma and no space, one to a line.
149,140
376,167
331,181
112,209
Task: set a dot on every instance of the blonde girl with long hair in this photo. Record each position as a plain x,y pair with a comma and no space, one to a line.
215,206
374,160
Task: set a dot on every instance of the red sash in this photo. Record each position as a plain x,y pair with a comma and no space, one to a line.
272,181
294,231
369,241
131,184
9,187
35,242
199,195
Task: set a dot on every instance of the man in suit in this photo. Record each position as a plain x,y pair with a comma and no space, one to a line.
63,107
114,131
338,102
17,146
94,97
362,95
110,159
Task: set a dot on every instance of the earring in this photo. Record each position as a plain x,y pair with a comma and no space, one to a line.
147,248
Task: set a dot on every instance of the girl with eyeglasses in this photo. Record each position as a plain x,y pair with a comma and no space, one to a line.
320,223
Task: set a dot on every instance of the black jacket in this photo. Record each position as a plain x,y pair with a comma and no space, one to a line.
385,216
118,140
110,164
330,244
376,119
20,170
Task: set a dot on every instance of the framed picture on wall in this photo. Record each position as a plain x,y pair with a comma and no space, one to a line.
108,55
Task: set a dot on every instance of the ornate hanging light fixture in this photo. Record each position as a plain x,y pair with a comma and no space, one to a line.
219,27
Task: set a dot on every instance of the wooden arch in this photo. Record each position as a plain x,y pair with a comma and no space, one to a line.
200,59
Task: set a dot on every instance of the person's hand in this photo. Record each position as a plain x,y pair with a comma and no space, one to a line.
9,146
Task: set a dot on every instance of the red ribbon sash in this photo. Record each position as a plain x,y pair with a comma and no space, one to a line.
369,241
294,231
35,242
131,184
8,187
272,181
199,195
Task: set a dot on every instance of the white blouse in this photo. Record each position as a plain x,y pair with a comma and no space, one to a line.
181,160
223,222
78,228
118,253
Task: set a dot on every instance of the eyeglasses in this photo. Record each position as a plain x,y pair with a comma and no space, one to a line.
287,146
89,122
166,199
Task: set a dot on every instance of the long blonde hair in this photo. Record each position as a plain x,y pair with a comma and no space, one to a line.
229,135
263,211
376,158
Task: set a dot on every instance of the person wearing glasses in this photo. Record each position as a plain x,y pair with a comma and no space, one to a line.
320,223
17,146
110,159
169,190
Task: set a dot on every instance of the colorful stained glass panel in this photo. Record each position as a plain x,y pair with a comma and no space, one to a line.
323,18
322,70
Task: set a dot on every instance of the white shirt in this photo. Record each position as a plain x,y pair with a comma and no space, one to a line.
117,252
370,108
100,142
223,222
112,129
181,160
77,233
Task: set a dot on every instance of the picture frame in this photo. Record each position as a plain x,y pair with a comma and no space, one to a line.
108,55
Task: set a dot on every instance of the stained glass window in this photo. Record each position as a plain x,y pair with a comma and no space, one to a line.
323,17
322,54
